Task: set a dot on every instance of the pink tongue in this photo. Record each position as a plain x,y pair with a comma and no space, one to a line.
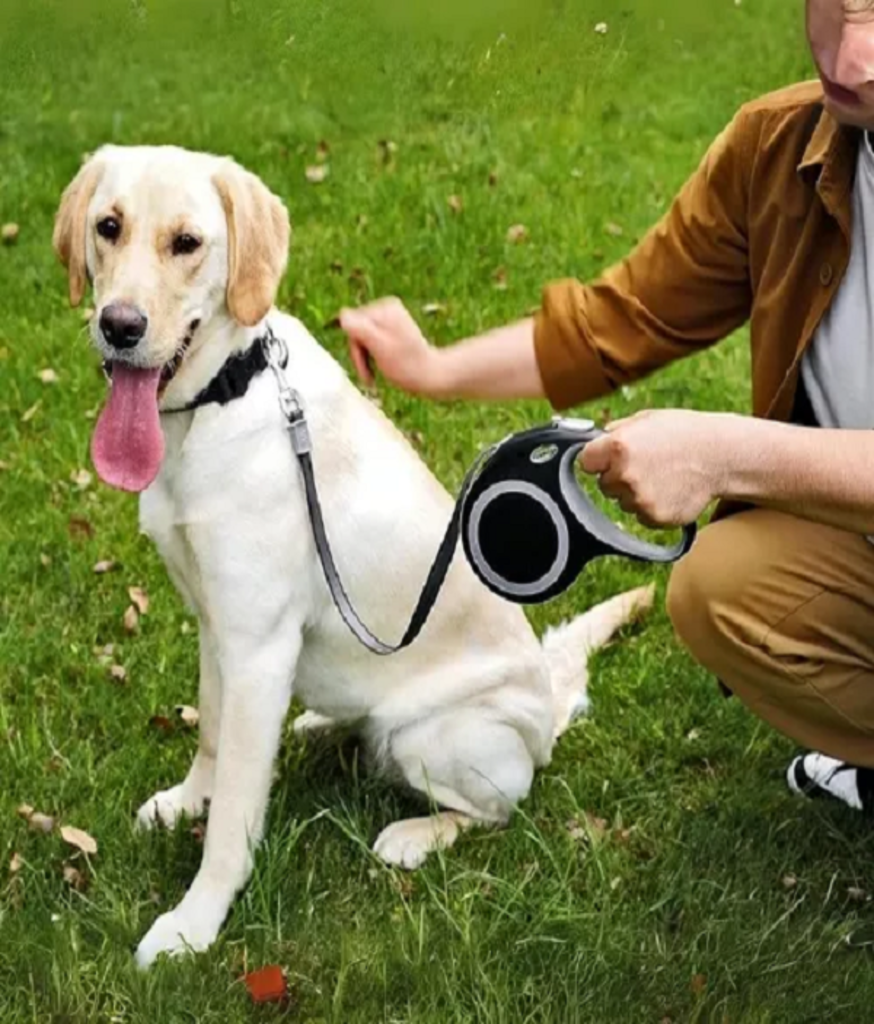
128,446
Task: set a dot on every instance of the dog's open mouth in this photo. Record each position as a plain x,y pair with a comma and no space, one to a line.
171,367
128,444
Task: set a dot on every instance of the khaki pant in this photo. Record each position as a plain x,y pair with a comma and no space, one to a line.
782,611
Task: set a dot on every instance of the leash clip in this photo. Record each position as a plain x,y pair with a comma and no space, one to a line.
289,399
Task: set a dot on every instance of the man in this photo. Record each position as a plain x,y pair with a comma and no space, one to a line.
776,228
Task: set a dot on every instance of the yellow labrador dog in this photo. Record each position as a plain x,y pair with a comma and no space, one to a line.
186,252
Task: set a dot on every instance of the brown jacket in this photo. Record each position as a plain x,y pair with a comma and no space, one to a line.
760,233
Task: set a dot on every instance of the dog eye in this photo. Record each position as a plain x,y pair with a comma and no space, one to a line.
184,245
109,228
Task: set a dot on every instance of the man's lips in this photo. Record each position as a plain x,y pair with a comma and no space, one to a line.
845,97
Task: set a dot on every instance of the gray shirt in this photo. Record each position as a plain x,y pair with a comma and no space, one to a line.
838,368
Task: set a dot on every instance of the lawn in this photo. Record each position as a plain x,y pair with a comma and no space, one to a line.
659,871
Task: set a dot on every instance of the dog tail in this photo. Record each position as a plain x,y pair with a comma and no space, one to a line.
568,648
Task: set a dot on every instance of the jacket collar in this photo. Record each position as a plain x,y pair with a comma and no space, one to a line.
830,157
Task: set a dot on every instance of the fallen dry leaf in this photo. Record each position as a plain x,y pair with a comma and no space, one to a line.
317,173
575,830
161,723
190,716
517,233
41,822
73,877
267,985
500,279
101,568
616,230
118,673
789,881
29,414
45,560
81,840
857,895
140,598
48,376
387,150
455,203
493,178
16,864
81,478
9,233
79,529
131,620
602,28
698,984
433,308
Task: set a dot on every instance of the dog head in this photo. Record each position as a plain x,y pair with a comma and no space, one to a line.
172,241
169,239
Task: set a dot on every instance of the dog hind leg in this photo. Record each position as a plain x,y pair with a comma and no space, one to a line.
473,765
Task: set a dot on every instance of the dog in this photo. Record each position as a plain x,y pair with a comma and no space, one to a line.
186,252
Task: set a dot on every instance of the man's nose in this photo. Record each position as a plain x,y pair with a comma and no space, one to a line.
854,65
123,325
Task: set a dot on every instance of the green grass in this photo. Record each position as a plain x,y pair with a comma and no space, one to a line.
686,918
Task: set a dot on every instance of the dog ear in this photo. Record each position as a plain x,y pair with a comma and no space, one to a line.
258,237
69,236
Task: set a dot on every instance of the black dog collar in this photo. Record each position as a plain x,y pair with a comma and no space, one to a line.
233,379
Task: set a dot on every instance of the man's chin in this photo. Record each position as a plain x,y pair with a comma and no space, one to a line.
861,116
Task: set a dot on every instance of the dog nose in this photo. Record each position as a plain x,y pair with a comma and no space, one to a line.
123,325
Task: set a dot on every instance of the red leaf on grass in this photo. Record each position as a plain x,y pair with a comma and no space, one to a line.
161,723
267,985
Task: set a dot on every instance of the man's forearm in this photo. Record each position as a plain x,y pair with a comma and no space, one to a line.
824,475
498,365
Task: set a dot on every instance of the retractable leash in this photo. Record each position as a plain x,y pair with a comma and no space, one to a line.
527,528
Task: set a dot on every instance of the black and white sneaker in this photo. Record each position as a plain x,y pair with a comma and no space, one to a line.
815,775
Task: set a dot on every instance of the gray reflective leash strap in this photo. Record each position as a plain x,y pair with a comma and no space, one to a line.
302,445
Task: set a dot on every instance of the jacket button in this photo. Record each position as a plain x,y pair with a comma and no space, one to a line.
826,274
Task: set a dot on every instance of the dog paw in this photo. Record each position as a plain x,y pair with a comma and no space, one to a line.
175,934
310,723
169,807
407,844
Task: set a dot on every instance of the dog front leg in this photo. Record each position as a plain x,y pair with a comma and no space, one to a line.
190,797
255,697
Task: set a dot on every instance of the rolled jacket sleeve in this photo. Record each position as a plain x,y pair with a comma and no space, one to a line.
685,286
